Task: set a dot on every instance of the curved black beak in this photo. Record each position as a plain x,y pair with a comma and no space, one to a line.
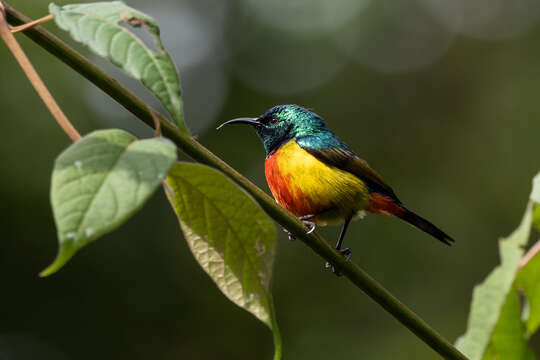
251,121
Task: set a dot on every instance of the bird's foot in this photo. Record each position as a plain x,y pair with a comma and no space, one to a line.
345,252
309,224
291,236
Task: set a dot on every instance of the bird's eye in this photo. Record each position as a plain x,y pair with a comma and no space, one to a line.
273,120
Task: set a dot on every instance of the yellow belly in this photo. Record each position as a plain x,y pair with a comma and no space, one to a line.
307,186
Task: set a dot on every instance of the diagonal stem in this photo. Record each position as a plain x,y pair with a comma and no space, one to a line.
199,153
31,24
35,80
529,255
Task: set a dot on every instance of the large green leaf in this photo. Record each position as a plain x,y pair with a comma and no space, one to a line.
99,26
535,193
230,236
536,218
509,340
528,280
494,328
99,182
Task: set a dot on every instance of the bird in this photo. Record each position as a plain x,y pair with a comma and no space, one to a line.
316,176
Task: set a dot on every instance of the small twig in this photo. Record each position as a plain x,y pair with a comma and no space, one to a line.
31,24
33,77
157,124
529,255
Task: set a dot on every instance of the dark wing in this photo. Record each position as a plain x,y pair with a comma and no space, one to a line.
348,161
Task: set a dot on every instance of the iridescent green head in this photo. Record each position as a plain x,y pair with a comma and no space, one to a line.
282,123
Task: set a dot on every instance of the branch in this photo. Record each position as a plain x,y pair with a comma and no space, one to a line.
15,29
529,255
199,153
33,77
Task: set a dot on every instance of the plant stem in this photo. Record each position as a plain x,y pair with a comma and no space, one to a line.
35,80
529,255
199,153
278,346
31,24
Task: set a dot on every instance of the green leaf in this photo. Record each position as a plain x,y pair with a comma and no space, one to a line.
230,236
98,25
509,340
535,194
490,296
528,280
99,182
536,218
494,317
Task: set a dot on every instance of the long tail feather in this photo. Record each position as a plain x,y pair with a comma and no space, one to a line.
424,225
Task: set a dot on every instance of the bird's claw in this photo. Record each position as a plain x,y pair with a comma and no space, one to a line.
311,226
291,236
347,252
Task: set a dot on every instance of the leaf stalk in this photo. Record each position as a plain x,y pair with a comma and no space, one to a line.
31,24
32,75
529,255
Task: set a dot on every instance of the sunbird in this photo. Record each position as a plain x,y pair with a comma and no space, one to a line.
317,177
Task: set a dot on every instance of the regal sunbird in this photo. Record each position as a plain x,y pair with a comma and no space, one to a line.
313,174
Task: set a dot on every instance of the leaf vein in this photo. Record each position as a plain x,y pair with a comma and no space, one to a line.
100,187
250,261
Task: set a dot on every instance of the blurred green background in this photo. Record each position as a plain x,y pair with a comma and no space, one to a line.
440,97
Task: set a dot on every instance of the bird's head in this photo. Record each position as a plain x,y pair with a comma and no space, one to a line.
282,123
